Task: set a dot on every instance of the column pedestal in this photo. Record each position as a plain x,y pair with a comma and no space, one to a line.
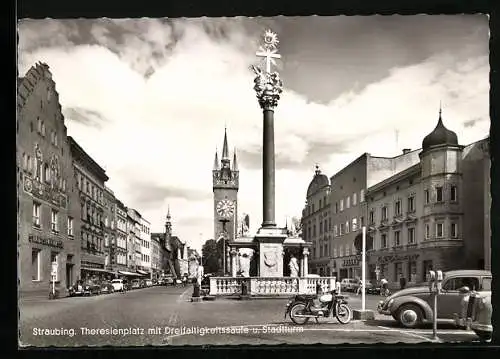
270,251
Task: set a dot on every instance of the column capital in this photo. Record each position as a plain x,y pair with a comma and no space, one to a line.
305,251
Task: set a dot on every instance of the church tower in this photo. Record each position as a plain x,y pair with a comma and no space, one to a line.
225,187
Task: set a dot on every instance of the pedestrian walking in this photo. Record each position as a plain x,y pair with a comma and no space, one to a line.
360,287
384,290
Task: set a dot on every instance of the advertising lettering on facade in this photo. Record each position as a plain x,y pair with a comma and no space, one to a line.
57,243
92,265
397,258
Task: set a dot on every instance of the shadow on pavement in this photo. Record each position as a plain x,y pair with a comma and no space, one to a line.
391,323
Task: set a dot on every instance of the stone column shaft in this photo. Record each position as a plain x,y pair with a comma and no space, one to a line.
268,173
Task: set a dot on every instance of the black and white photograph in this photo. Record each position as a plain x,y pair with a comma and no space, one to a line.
253,181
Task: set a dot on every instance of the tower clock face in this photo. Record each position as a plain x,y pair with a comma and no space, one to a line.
225,208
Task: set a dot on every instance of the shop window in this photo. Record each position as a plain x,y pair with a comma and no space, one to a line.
412,269
35,264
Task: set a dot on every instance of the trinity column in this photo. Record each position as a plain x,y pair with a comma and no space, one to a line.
268,87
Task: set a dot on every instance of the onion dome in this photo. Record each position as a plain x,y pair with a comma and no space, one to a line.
318,182
439,136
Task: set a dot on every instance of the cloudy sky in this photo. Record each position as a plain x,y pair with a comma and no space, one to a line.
148,99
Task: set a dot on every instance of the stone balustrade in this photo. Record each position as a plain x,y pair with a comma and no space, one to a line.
270,286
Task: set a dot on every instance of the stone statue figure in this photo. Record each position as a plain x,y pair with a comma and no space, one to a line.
38,162
246,255
294,267
199,273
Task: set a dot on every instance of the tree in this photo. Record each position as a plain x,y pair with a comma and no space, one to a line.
210,256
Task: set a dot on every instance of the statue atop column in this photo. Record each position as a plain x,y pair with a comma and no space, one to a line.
268,85
294,267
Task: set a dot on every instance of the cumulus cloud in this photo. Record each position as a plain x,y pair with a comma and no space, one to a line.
167,88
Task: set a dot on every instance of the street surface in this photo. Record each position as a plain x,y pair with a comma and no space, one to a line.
166,316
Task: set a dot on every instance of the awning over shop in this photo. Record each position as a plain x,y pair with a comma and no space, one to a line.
96,270
142,272
128,273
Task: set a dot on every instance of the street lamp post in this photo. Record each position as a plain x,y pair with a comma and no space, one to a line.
224,234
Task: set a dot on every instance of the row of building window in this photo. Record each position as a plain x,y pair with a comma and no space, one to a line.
338,206
145,258
91,189
54,219
91,242
145,244
439,232
144,229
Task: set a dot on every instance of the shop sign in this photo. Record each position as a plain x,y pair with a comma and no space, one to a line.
351,262
398,258
92,265
57,243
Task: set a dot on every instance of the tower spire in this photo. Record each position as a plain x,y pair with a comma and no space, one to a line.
235,163
225,151
216,161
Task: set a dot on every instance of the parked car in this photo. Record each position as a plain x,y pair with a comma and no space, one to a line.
368,287
348,285
76,290
118,285
412,306
148,283
91,288
168,280
107,287
135,284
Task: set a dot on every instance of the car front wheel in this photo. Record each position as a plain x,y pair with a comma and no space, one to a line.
409,315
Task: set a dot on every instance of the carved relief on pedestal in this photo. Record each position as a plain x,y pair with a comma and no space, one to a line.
271,260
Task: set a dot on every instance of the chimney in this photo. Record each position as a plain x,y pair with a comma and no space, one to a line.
406,150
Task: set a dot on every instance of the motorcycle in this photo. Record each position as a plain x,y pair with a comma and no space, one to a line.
302,308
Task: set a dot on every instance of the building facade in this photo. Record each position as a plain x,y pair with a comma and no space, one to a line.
48,202
427,216
145,235
120,253
90,178
156,269
134,239
225,188
317,223
343,215
109,229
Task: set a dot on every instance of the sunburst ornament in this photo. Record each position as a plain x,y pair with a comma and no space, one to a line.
270,40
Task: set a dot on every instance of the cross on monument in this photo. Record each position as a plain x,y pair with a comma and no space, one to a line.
269,50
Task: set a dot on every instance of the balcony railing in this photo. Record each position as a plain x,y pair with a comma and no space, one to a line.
272,286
